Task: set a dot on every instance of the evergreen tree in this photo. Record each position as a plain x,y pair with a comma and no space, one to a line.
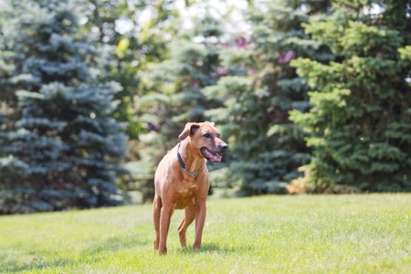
130,47
8,100
359,122
267,147
64,148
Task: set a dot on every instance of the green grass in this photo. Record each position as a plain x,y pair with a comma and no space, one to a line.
272,234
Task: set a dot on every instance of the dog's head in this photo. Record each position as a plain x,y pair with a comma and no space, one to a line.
205,138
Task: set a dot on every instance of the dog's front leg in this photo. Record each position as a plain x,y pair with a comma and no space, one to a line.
164,226
200,218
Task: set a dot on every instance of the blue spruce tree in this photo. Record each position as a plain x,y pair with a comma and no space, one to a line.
64,147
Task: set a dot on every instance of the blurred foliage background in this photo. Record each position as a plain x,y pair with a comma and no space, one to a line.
312,96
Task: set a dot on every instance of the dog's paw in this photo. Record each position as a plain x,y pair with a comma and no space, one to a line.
162,251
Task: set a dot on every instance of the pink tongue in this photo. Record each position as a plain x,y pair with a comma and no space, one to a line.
214,157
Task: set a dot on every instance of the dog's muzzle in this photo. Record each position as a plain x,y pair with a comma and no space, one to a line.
213,156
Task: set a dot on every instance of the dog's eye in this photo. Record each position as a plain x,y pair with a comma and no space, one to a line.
207,135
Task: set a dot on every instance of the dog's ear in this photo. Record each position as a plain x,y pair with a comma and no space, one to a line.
189,129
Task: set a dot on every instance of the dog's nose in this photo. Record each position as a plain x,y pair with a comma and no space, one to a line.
223,146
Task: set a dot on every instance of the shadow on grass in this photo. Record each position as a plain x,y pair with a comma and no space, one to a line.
13,266
109,245
37,263
214,248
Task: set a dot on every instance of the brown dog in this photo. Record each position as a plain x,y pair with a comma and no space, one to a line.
181,181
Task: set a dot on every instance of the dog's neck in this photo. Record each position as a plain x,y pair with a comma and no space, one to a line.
191,156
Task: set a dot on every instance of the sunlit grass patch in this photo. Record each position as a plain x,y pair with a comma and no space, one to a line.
272,234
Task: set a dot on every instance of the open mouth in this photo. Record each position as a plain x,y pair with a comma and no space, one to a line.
210,155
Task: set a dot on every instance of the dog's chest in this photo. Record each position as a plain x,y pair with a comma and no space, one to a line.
186,194
187,189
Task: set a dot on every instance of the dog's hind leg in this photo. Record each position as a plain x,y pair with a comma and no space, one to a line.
182,228
156,219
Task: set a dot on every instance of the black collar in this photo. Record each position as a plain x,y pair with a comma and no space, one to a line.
183,165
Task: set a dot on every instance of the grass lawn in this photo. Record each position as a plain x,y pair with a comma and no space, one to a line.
271,234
